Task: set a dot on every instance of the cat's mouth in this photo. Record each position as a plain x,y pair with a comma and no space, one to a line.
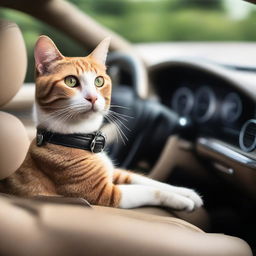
88,112
83,112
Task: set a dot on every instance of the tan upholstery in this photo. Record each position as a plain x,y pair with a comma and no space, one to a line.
14,60
34,227
140,215
52,230
14,144
199,217
13,137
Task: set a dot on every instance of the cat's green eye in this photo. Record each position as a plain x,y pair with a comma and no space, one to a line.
71,81
99,81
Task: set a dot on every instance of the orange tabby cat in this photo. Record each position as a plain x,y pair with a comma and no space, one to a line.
72,97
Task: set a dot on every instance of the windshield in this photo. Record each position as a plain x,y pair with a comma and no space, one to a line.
149,21
175,20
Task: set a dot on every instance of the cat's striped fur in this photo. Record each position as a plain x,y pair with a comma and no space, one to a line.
58,170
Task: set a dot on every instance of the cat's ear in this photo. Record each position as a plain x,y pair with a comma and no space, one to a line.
45,53
101,51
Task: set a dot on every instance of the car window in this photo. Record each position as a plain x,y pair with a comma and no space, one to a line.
150,21
175,20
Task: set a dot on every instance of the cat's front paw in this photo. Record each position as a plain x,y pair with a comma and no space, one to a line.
191,194
177,202
187,193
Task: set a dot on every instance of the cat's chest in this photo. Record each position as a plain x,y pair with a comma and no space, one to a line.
106,162
60,160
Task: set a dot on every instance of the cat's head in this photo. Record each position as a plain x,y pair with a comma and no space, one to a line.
72,93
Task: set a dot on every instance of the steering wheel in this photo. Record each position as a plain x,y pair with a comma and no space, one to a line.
144,125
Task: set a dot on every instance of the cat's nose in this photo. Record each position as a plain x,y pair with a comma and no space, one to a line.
91,98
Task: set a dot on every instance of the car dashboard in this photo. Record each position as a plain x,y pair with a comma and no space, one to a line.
217,103
213,106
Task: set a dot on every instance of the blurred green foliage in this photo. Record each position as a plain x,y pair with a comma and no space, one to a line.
145,21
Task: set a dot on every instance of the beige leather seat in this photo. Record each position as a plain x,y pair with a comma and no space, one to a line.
63,226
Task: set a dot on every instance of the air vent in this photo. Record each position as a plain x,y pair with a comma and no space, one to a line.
247,137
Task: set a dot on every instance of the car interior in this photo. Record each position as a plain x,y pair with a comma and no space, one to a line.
188,120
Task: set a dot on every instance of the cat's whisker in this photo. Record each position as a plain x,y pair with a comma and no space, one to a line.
60,115
120,122
116,137
116,121
119,114
68,106
118,117
119,128
121,117
119,106
56,115
61,112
